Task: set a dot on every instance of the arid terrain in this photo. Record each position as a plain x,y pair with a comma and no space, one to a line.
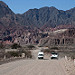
37,25
38,67
22,36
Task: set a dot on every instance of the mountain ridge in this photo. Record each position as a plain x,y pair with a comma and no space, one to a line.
34,25
45,16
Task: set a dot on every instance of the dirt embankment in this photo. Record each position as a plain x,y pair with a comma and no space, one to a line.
68,65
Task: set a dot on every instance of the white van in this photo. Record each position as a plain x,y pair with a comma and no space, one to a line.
40,55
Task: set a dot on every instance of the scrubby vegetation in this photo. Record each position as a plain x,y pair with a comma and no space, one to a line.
19,54
15,51
54,48
15,46
47,51
51,49
1,46
68,54
1,55
28,54
31,46
12,54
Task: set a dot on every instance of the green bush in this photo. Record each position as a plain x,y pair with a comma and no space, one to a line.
15,46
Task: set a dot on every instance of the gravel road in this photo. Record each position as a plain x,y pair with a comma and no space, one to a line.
32,67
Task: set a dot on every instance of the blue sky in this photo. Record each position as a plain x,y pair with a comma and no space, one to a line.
21,6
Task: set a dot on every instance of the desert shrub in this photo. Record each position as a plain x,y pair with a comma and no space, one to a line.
1,55
68,54
8,55
71,54
28,54
12,54
47,51
55,48
15,46
1,46
30,46
40,46
19,53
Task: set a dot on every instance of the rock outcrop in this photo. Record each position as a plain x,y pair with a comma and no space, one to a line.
59,37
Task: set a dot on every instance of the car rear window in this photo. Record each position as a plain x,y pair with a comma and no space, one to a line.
54,53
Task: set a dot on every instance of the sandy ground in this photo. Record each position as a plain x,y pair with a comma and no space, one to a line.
33,67
38,67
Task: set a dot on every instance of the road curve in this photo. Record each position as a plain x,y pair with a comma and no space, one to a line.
32,67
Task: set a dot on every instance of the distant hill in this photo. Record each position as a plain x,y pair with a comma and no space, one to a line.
46,16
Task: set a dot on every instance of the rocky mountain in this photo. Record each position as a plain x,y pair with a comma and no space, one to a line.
59,37
4,10
33,25
7,16
46,16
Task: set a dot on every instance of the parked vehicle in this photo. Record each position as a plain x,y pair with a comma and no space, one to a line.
54,55
40,55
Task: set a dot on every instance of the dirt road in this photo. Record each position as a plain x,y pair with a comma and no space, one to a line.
32,67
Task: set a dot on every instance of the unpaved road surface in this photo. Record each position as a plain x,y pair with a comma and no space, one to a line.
33,67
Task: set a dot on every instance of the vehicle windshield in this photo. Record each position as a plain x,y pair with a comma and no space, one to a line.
40,54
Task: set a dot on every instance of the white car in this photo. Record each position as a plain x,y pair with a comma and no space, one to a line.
54,55
40,55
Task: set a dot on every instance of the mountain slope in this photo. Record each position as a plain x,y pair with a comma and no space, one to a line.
4,10
46,16
33,25
7,16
